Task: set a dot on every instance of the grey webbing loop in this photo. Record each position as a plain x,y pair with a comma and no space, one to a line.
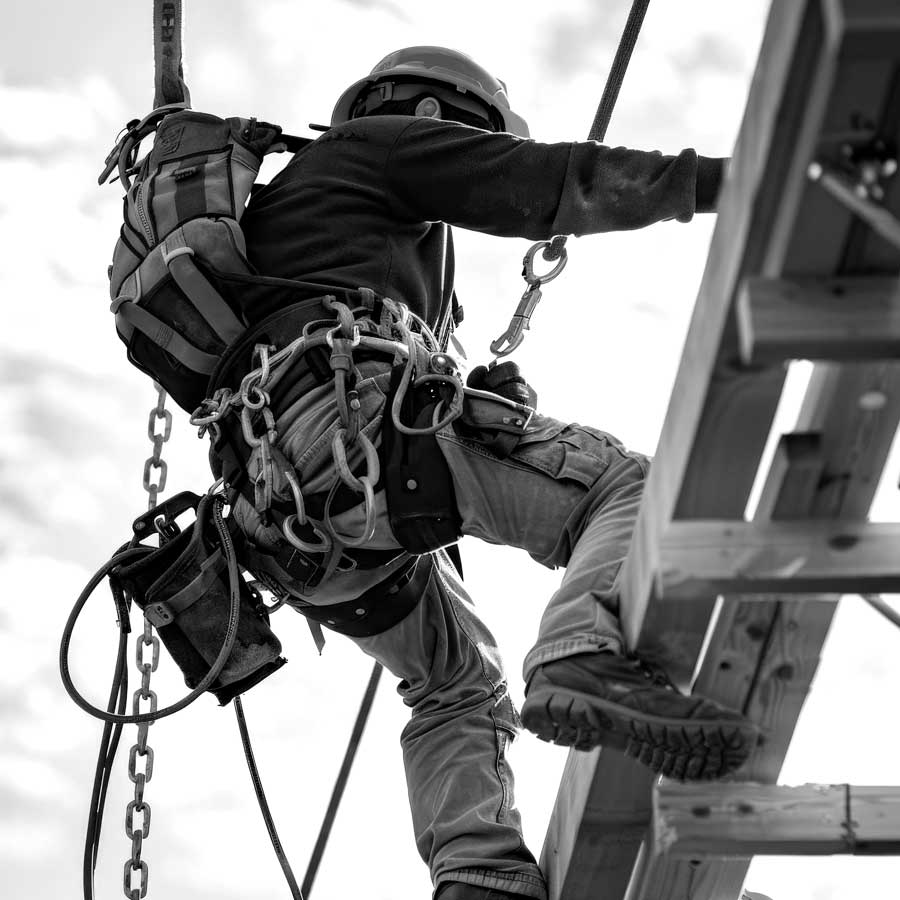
169,81
163,336
204,297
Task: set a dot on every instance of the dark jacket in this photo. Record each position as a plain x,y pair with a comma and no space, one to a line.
369,202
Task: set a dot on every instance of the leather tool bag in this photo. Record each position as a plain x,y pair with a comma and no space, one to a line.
183,589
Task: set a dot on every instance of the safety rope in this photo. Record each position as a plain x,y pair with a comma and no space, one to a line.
341,782
877,602
554,250
263,803
610,96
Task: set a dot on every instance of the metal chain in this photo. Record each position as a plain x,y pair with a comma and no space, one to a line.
155,460
147,638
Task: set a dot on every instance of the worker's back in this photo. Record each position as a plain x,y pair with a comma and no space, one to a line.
331,217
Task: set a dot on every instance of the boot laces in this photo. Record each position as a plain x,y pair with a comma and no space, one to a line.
654,674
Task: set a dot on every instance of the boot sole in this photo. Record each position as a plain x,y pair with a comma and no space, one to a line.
686,749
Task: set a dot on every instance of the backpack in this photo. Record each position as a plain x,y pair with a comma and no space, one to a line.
181,228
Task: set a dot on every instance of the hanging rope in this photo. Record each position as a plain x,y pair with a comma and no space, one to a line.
888,611
263,803
341,782
610,95
554,250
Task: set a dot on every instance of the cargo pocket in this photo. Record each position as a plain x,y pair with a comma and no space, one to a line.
566,452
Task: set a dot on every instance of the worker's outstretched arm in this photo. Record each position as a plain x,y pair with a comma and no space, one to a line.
506,186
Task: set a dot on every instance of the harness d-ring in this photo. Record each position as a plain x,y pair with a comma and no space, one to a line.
528,264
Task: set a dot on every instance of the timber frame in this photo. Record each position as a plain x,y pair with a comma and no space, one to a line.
803,264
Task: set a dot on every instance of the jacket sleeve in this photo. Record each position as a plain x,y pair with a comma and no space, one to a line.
506,186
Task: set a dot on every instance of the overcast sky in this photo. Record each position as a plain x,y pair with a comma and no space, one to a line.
603,350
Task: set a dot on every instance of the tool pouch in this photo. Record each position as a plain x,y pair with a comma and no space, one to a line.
183,589
420,497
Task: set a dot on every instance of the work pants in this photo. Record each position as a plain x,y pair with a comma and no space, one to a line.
568,495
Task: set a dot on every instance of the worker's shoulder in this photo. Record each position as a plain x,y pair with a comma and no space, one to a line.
378,130
388,131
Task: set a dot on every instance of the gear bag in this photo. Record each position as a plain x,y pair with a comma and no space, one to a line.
180,229
183,589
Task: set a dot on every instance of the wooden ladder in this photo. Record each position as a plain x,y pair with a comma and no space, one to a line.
803,264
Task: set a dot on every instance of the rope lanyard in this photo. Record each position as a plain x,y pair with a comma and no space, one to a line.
554,250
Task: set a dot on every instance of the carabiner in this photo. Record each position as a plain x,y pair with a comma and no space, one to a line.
518,323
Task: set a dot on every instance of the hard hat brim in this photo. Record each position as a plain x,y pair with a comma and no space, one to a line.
512,123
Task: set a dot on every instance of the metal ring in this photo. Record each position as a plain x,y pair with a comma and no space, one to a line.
528,264
329,336
368,531
288,528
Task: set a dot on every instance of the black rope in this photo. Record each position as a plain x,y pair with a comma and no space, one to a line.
876,602
610,95
617,72
263,803
109,743
341,782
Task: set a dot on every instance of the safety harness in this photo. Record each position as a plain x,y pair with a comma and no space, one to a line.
181,291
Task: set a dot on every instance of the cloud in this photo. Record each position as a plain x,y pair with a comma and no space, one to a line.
387,5
41,121
581,39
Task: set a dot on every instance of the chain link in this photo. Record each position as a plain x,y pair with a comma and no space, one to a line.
155,460
141,772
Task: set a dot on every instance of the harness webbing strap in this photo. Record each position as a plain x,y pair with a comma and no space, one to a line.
163,336
163,612
207,300
168,75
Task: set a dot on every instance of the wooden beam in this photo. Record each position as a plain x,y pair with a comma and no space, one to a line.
745,819
772,222
594,822
720,414
819,318
762,657
780,557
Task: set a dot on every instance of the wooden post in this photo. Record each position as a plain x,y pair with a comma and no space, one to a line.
819,318
691,820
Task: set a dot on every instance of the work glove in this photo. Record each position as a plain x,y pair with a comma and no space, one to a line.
504,379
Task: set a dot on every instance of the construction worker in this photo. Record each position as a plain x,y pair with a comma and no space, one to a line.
426,141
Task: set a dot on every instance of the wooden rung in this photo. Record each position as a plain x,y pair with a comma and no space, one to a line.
818,318
731,819
797,557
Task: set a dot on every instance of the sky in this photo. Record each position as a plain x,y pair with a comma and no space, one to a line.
603,350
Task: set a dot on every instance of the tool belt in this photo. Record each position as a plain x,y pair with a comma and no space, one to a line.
413,471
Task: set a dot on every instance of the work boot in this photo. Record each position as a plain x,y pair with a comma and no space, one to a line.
622,702
457,890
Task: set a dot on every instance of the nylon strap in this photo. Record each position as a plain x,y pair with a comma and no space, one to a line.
164,612
206,299
169,81
163,336
610,95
